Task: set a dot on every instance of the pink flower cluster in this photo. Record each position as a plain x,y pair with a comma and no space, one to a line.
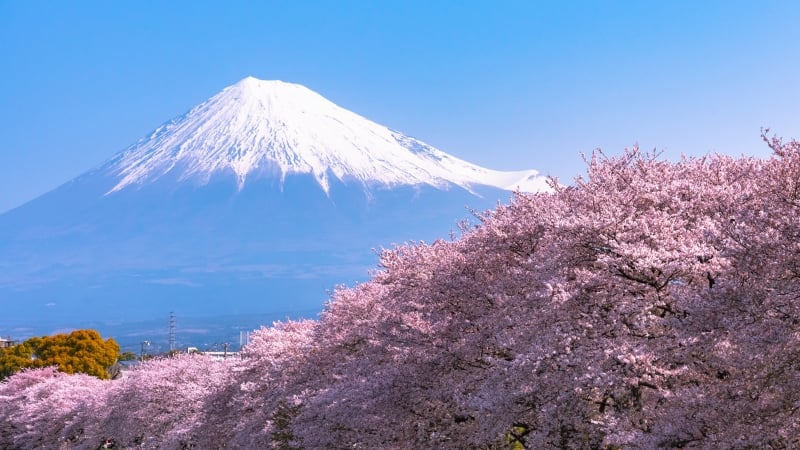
650,304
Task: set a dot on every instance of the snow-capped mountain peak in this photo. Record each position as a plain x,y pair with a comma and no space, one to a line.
257,127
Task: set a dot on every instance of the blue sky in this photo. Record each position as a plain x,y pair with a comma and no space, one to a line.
505,84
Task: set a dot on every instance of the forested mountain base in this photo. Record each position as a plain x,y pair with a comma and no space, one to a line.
649,305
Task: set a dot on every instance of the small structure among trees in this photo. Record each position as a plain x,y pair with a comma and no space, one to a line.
6,342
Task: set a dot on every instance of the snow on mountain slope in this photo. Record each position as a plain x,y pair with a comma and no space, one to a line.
257,127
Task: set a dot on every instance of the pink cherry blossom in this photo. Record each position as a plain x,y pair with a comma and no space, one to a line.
650,304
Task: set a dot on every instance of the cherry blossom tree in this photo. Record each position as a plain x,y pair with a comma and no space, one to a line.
637,307
161,403
44,408
256,410
650,304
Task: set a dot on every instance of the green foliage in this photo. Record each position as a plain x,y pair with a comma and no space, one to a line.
16,357
128,356
282,436
81,351
515,439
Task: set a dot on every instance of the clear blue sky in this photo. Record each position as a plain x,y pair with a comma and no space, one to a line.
505,84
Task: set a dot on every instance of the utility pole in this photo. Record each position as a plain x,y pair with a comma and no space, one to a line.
225,354
171,331
144,344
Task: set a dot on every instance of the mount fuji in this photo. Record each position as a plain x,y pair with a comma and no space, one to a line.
256,202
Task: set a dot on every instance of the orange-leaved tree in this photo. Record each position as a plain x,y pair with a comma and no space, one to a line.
81,351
